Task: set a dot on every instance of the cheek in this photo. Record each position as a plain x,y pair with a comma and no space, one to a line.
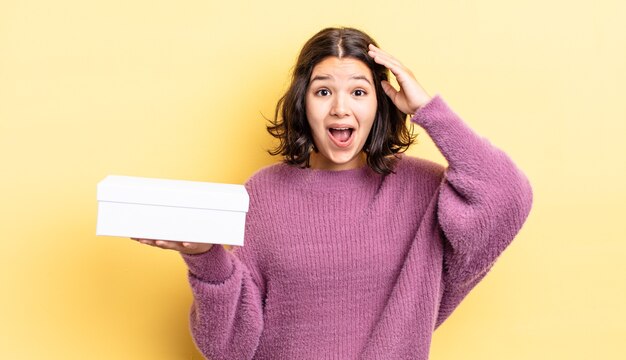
373,106
314,113
367,113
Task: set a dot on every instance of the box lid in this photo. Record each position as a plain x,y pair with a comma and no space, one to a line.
181,193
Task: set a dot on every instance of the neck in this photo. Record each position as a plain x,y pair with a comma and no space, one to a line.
319,162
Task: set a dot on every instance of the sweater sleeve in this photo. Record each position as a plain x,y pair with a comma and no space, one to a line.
226,317
484,199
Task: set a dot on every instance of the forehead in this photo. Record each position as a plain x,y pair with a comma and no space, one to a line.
341,67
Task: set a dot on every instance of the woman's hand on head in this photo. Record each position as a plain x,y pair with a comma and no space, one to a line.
188,248
411,96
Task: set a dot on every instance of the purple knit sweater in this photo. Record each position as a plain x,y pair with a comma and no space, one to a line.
355,265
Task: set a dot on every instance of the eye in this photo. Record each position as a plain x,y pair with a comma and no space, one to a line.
322,92
359,92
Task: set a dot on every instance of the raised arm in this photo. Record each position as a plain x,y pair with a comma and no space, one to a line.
484,198
483,201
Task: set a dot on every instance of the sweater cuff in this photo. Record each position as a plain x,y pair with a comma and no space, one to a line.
215,265
430,111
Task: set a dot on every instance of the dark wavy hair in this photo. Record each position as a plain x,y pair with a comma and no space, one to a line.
389,134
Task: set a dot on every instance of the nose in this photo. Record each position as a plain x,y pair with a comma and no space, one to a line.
340,106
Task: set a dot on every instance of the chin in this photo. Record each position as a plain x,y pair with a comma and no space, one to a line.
347,162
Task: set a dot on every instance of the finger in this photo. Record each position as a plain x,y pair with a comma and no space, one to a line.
389,89
195,248
190,245
383,57
146,242
168,245
398,70
378,51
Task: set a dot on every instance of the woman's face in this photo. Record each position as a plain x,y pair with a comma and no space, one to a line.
340,108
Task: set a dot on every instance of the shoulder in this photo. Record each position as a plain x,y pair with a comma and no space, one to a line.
269,175
411,167
416,175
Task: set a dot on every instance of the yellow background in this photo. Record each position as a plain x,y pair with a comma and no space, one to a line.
178,89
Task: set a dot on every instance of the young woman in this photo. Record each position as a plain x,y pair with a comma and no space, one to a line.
352,250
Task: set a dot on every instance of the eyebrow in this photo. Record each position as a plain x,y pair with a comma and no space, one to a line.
328,77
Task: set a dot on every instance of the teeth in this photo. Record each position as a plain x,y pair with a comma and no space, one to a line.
341,128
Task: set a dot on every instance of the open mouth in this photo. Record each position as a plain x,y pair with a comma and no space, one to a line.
341,136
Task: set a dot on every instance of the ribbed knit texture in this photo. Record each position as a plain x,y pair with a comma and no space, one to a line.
355,265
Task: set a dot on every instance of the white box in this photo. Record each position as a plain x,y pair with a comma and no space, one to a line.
175,210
